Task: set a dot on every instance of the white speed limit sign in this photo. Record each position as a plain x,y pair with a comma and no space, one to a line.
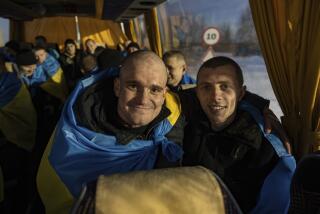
211,36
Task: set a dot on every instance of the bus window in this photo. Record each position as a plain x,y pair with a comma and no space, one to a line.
142,35
184,26
4,31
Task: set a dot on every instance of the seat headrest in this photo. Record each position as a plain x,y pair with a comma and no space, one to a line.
174,190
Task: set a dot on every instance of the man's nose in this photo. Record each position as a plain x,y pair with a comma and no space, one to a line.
142,96
216,94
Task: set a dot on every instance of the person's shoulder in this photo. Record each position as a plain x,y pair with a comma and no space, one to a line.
187,94
190,104
63,58
50,61
187,79
98,50
248,129
256,100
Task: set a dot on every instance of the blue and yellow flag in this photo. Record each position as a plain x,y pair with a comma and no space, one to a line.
274,196
76,155
49,76
17,113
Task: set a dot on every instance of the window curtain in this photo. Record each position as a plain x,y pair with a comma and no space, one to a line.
58,29
130,30
152,25
289,37
105,32
99,8
55,29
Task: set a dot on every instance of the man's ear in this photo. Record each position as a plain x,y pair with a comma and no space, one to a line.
116,86
165,91
184,68
242,92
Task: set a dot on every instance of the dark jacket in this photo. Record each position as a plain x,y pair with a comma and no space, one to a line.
96,109
239,154
186,80
71,68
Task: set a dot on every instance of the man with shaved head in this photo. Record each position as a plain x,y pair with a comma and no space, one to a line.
178,78
141,88
112,125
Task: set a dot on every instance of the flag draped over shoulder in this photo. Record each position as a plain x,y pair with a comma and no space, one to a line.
274,196
49,76
17,113
77,155
9,87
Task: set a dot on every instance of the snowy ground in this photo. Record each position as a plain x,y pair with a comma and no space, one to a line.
255,77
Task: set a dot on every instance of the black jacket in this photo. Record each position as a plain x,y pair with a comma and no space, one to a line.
96,109
239,154
71,68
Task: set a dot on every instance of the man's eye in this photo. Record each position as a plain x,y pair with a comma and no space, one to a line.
224,86
156,90
206,87
132,87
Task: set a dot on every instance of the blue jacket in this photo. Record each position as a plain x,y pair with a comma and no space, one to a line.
187,79
49,76
43,72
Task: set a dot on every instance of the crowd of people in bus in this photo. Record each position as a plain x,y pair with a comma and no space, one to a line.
104,111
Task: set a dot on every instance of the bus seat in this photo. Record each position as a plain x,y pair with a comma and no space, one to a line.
172,190
305,187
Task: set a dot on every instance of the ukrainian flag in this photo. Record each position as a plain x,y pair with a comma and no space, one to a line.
76,155
17,113
56,85
49,76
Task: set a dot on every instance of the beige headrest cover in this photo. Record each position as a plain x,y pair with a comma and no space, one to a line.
174,190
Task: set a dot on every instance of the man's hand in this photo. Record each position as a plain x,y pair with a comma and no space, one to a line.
272,123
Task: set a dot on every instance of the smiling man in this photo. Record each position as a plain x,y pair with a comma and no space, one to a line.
176,65
229,139
219,93
141,93
111,126
40,70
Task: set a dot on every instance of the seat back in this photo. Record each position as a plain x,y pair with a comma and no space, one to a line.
305,187
174,190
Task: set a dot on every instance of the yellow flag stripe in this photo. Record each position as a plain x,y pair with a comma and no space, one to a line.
173,104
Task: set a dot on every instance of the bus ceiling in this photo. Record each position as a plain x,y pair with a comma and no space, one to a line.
117,10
